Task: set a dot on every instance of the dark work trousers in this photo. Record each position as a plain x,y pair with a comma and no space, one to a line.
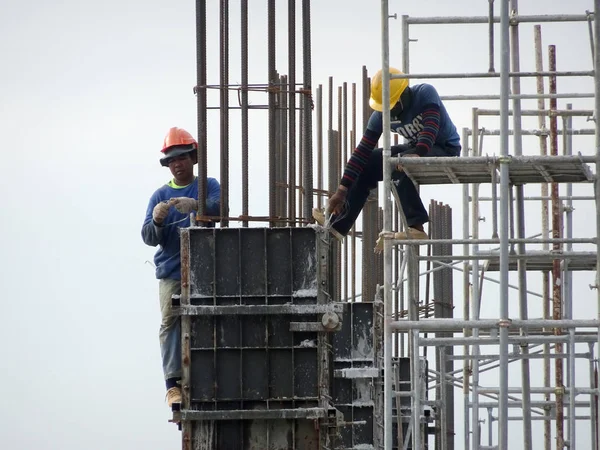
413,208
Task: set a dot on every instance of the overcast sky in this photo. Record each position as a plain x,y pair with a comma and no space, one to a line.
87,92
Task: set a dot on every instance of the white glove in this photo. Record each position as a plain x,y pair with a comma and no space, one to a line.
160,212
184,205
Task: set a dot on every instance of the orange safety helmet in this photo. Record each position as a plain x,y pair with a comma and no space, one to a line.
177,142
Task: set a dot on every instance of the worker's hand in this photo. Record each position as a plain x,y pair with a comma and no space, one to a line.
399,167
337,200
160,212
184,205
381,239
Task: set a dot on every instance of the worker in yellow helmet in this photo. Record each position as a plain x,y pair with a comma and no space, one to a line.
418,114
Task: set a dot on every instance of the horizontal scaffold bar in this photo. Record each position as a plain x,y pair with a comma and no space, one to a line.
254,414
544,18
209,310
482,324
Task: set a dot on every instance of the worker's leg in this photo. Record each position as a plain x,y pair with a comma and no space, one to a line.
358,193
412,206
169,334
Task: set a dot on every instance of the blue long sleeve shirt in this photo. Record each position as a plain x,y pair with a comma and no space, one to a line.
166,236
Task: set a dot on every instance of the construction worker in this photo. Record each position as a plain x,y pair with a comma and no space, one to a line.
168,210
416,113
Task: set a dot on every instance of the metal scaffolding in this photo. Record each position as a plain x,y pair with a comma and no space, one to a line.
487,347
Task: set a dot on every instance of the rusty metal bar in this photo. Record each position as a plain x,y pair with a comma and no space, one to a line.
272,77
244,108
292,111
201,104
224,108
556,269
353,231
186,330
285,185
343,159
545,226
307,109
320,146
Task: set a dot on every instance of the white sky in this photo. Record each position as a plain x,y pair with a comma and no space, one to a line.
88,90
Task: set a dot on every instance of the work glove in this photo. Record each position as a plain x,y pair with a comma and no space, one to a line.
184,205
160,212
406,155
337,201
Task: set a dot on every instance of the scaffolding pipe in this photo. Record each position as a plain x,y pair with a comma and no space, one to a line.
439,324
491,36
466,291
593,393
483,19
432,76
387,256
597,182
520,96
504,200
475,291
520,216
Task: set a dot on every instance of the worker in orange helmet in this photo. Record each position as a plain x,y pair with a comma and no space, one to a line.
168,210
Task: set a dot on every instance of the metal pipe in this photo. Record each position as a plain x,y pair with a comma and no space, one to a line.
466,291
557,307
201,104
521,96
520,217
597,182
572,394
568,208
320,145
475,290
545,226
244,107
307,154
353,232
535,112
416,387
484,19
439,324
514,340
491,36
272,77
495,160
343,159
387,256
432,76
593,393
292,114
504,200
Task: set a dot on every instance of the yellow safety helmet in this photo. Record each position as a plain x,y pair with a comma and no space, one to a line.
397,87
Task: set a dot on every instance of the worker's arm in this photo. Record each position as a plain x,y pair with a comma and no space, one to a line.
152,230
431,126
362,152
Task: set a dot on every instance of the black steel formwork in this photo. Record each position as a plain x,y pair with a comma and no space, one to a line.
268,361
252,303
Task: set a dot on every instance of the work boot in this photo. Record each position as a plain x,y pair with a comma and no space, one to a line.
414,232
173,396
319,217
